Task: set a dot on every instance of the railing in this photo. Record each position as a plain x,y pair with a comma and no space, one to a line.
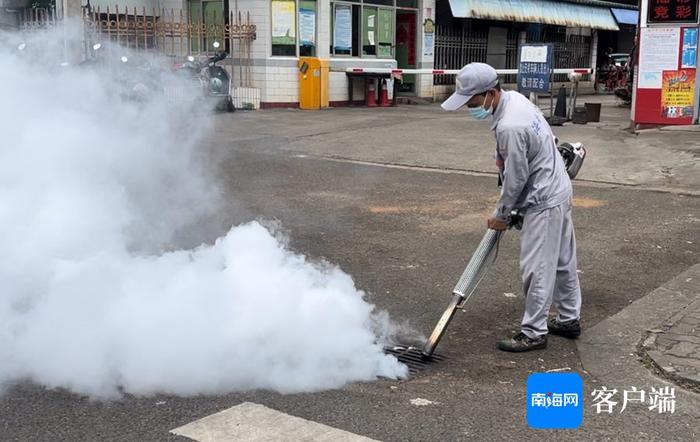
38,18
166,32
170,31
456,47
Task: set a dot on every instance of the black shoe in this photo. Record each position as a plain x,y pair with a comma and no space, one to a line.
568,329
521,342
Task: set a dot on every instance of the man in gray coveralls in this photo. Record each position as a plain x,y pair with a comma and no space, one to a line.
534,181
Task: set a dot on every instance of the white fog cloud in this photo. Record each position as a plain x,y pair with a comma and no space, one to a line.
94,299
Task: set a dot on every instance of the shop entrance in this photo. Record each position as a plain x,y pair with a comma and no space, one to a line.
406,25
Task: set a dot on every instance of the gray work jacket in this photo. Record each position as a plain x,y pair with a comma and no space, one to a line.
532,170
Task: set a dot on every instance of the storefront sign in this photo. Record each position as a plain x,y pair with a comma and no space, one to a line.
658,52
535,68
678,93
673,11
283,22
342,31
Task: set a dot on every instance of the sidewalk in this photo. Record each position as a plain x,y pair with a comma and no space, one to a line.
660,331
674,349
429,138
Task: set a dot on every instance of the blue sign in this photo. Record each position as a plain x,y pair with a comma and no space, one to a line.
554,400
689,55
342,31
535,67
690,37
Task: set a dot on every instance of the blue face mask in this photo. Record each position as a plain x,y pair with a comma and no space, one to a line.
481,112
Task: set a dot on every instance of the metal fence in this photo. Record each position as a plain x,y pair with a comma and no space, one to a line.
570,51
458,46
170,31
38,18
162,32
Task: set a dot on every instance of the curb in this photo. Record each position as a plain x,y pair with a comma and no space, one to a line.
652,352
610,350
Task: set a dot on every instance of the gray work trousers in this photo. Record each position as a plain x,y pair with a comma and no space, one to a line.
548,268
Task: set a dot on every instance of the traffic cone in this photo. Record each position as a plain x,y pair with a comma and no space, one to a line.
371,94
560,107
384,95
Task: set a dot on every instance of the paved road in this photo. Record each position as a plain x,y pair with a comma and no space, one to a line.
405,235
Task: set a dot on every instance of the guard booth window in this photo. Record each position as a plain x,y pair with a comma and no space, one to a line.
284,29
294,26
362,29
209,16
307,28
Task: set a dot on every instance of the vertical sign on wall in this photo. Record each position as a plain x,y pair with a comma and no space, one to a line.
283,22
342,31
307,26
428,35
689,54
658,52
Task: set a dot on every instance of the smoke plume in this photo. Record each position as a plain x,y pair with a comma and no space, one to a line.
95,299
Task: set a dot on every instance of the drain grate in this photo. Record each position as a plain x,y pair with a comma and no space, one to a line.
412,357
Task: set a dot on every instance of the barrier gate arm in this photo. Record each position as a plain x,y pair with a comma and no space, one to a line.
449,71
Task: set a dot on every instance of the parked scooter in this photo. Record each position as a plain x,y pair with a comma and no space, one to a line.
219,81
212,79
138,80
93,57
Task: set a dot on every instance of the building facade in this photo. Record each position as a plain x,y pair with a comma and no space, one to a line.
387,34
422,34
491,31
349,33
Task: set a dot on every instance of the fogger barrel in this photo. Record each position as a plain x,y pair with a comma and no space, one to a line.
475,270
477,265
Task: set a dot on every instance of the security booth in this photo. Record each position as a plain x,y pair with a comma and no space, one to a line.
386,34
665,91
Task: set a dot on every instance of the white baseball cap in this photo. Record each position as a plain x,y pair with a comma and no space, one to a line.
473,79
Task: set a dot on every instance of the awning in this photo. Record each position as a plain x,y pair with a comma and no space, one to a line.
537,11
625,16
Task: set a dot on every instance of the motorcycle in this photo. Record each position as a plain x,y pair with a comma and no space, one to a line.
212,79
219,81
624,94
138,80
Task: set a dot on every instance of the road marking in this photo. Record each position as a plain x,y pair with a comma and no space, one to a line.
603,184
588,203
254,422
420,402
